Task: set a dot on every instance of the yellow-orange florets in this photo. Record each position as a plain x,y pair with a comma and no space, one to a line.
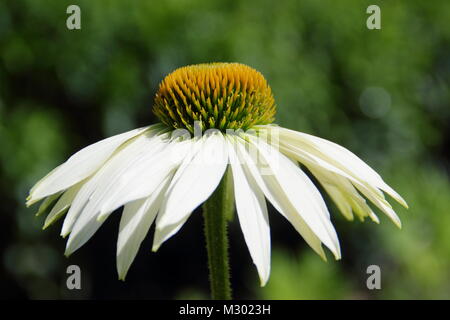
219,95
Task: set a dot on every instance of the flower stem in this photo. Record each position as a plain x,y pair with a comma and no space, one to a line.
217,211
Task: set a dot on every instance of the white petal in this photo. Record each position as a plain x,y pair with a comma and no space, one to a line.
47,203
369,191
291,181
343,194
339,199
63,204
144,177
339,157
311,155
252,212
195,180
143,174
136,220
130,175
110,170
276,196
381,203
80,165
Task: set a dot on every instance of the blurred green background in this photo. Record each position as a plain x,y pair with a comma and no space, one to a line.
384,94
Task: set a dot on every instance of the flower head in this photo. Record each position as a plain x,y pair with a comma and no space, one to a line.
218,95
161,178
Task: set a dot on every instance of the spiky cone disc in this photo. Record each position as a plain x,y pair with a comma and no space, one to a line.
219,95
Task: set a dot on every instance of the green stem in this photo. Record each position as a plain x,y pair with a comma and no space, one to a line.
217,210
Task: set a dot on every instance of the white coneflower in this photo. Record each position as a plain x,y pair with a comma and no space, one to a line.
158,175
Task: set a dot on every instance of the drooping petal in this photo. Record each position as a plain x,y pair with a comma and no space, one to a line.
48,203
287,179
137,174
344,194
109,173
339,199
137,217
63,204
276,196
195,180
252,212
143,175
339,157
381,203
327,156
370,191
80,165
164,232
